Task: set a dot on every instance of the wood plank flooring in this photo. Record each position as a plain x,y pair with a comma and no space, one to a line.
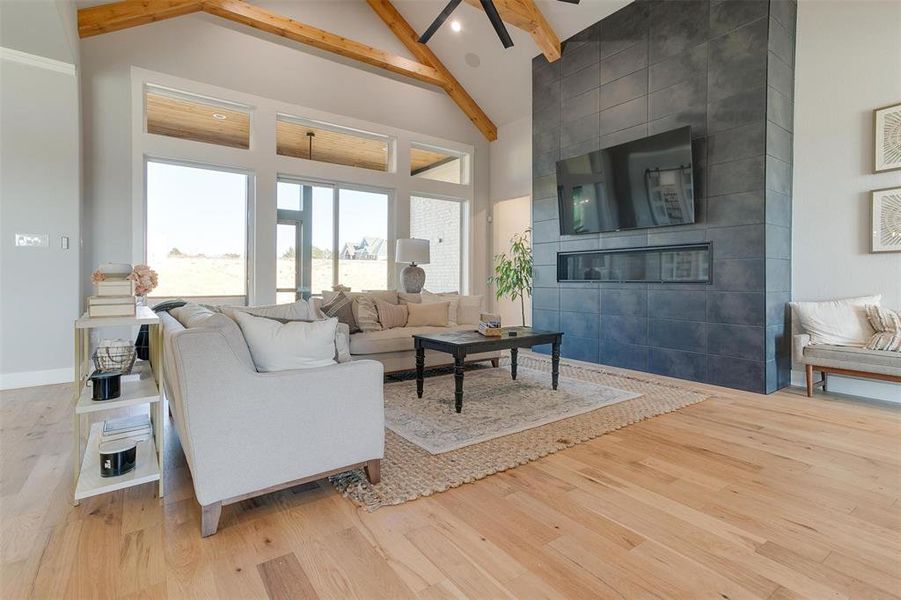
740,496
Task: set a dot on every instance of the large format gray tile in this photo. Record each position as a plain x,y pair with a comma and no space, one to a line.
778,208
742,241
631,113
674,303
736,209
544,276
579,348
739,275
545,231
545,254
739,308
785,12
778,142
544,209
634,58
585,301
782,42
726,15
740,341
549,320
778,275
579,130
544,187
778,175
624,89
685,96
778,242
578,83
677,26
626,356
622,136
579,324
743,108
749,375
734,144
745,175
687,65
582,105
676,363
780,75
624,330
626,302
576,58
546,298
780,109
737,60
696,118
624,28
690,336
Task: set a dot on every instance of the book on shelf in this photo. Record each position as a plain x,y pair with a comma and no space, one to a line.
138,428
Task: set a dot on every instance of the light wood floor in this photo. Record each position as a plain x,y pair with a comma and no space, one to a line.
740,496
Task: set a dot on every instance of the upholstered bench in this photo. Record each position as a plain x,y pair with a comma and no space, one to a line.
845,360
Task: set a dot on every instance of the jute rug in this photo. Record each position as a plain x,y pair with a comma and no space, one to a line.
410,471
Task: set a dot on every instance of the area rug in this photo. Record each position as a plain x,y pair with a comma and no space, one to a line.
494,405
410,471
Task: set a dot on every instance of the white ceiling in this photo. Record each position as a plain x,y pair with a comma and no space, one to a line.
501,83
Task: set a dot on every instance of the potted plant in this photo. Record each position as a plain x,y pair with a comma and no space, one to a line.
513,274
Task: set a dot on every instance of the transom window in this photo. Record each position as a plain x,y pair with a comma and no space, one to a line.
190,117
324,142
439,164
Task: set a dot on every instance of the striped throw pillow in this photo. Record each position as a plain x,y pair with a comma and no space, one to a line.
887,324
341,307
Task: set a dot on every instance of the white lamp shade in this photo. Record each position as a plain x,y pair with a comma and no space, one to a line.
412,251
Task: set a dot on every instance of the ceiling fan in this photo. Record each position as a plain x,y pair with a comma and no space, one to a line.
490,10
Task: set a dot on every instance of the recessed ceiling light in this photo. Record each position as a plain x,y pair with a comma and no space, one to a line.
219,116
455,26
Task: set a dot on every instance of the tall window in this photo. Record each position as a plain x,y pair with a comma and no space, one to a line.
362,239
197,231
440,222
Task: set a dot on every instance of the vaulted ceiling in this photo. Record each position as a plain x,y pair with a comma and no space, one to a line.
496,80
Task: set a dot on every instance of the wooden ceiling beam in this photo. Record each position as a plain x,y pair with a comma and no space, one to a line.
409,38
131,13
525,15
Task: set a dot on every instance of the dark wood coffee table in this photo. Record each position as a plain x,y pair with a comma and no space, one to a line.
460,343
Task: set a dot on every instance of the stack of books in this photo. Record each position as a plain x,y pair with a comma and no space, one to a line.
115,298
134,428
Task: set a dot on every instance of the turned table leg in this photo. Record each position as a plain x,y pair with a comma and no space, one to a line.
555,363
420,369
458,382
514,353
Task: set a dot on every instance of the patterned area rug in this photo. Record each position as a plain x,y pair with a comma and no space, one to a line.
409,471
493,406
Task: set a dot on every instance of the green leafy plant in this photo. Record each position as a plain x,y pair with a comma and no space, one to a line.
513,274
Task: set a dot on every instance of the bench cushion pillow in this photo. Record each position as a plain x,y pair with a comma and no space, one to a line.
841,322
887,324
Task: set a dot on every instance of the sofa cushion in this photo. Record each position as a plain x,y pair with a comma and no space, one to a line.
399,339
432,314
293,311
277,346
391,316
887,324
452,298
469,310
841,322
854,359
193,315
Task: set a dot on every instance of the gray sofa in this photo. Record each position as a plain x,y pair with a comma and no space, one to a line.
246,433
844,360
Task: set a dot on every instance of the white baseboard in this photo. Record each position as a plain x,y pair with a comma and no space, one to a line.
23,379
865,388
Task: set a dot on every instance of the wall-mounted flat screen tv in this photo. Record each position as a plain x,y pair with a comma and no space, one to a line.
640,184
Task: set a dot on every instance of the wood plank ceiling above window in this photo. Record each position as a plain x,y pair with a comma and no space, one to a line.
104,18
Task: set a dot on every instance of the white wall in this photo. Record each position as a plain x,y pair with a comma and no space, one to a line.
848,62
39,194
208,50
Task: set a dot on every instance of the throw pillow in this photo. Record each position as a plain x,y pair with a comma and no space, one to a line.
452,299
407,298
887,324
367,315
391,315
469,310
841,322
277,346
432,314
341,307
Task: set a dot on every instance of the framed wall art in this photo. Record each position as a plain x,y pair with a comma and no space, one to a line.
888,138
887,220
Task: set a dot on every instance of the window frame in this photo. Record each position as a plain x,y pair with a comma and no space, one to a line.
390,141
465,161
249,212
177,94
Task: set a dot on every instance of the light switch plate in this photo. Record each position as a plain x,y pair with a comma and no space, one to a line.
32,240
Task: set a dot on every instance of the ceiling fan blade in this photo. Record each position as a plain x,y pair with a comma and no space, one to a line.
571,1
439,20
498,24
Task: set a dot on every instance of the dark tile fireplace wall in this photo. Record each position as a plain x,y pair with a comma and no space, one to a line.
726,68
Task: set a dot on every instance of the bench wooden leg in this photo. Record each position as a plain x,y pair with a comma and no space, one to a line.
373,470
209,518
809,373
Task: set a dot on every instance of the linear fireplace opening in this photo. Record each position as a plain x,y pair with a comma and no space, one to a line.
683,263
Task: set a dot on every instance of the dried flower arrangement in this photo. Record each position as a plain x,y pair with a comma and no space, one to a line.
145,278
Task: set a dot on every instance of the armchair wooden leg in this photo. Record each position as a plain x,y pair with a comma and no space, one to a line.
809,373
495,362
373,470
209,519
823,375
